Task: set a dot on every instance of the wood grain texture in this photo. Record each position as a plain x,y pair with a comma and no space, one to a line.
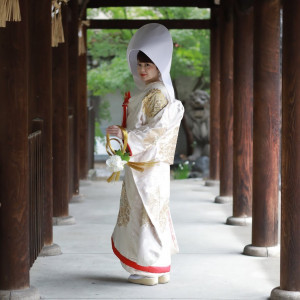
266,122
135,24
120,3
83,122
226,100
290,200
72,32
14,191
60,125
40,96
243,103
214,167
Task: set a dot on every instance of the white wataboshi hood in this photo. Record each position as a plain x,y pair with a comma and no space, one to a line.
156,42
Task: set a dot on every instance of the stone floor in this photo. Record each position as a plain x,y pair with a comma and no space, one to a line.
209,266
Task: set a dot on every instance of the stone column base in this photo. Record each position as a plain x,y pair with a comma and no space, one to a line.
77,198
278,294
223,199
50,250
26,294
211,182
239,221
59,221
262,251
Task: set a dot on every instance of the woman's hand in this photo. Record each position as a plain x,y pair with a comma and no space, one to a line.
115,130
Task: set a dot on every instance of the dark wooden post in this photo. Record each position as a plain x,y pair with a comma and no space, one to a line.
61,129
226,103
242,120
14,192
266,128
73,86
40,103
83,121
214,163
290,166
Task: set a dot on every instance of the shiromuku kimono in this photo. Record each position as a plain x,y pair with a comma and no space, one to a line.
144,238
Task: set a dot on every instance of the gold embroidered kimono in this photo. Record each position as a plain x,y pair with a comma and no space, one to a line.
144,238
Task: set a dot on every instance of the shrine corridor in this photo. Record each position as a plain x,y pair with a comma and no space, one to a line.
209,266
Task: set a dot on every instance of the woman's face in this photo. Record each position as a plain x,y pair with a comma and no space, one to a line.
148,72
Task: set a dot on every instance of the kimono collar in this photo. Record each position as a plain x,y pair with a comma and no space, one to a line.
156,42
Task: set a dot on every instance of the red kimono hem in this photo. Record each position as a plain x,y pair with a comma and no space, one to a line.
134,265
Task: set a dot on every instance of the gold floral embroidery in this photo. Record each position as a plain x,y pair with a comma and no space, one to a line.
154,135
154,102
124,211
163,216
167,146
145,221
153,206
158,208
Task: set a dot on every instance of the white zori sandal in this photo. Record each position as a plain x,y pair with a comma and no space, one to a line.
138,279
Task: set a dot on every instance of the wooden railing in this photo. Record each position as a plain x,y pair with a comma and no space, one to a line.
36,194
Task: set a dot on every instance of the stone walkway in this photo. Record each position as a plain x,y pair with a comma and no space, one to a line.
209,266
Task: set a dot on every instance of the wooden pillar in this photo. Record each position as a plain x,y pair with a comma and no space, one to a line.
214,164
290,170
73,86
40,103
14,192
243,102
226,103
266,128
83,121
61,129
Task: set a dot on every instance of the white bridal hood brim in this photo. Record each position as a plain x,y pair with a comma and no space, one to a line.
156,42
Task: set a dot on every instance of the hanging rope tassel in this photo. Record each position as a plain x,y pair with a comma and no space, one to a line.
57,27
9,11
2,13
81,40
12,10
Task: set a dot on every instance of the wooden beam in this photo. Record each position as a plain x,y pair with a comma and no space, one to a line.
40,97
242,113
290,242
226,103
158,3
14,192
60,124
214,166
266,128
135,24
73,88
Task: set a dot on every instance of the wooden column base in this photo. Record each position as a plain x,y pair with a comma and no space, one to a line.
262,251
278,294
211,182
29,294
50,250
61,221
223,199
239,221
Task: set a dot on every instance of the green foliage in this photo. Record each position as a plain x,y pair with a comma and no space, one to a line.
182,171
107,48
124,156
107,68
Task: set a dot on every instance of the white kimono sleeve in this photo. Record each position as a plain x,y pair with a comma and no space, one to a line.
156,140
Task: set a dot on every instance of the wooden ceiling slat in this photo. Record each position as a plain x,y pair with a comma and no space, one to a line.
135,24
158,3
